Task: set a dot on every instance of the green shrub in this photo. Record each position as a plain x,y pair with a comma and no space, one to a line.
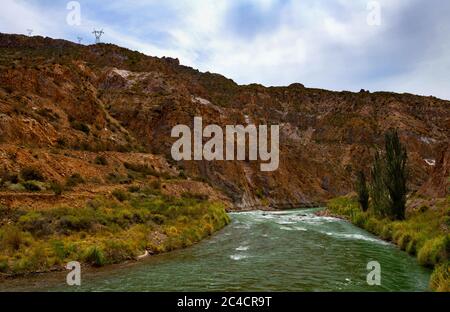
446,221
440,279
81,127
31,174
141,168
159,219
404,240
31,186
386,232
95,257
434,251
57,188
60,250
35,223
413,245
260,193
16,187
359,219
4,266
12,238
75,223
117,178
118,251
134,189
372,225
37,261
120,195
101,160
74,180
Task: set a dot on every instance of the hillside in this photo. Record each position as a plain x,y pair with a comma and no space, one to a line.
63,104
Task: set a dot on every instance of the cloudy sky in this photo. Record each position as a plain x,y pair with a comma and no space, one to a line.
393,45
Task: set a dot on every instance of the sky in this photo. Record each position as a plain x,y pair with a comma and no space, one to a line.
384,45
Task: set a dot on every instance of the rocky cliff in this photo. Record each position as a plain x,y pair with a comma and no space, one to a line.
102,98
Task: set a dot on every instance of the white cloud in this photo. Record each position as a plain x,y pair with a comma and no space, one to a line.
17,16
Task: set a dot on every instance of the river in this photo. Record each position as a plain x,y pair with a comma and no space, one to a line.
260,251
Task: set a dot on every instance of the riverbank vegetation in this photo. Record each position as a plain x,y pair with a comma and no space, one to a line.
424,233
422,230
107,230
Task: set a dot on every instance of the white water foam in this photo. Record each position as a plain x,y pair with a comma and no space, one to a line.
312,219
238,257
283,222
356,237
244,227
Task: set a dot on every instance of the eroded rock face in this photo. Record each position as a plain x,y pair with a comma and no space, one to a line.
103,97
438,185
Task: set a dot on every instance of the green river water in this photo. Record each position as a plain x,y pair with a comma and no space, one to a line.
259,251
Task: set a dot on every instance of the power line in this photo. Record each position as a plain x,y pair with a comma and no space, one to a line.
98,34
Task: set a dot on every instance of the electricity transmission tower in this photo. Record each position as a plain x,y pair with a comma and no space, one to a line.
98,34
30,32
80,39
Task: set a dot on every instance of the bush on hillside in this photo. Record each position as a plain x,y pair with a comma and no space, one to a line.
101,160
31,174
32,186
74,180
